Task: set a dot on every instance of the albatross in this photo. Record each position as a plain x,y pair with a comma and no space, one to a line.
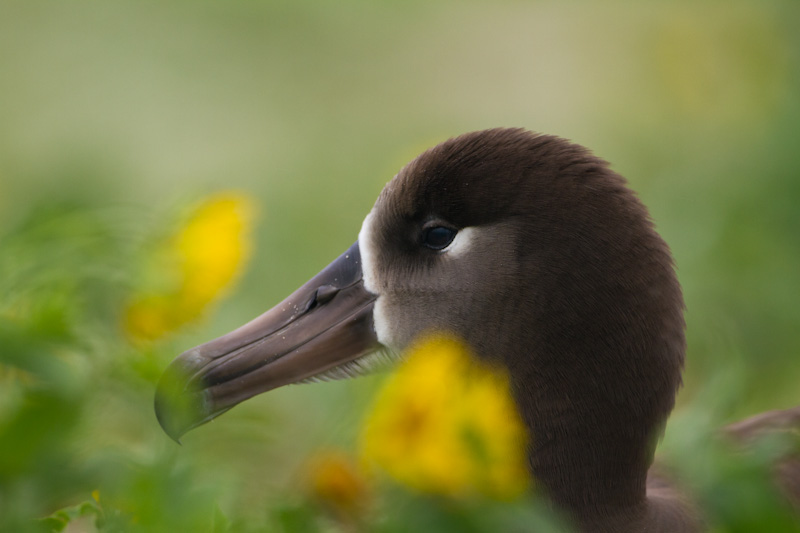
538,256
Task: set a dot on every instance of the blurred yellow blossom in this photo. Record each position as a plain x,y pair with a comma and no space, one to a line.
446,423
337,484
197,263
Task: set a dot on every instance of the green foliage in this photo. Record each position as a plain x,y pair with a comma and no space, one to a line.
59,520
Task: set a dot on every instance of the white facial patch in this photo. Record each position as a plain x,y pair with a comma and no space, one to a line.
461,243
366,245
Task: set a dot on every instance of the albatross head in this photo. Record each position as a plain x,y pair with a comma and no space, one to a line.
525,246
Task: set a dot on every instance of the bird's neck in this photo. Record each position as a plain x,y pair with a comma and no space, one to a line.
593,428
595,382
600,481
587,463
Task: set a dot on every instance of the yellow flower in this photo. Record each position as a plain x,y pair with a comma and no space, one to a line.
337,484
196,265
213,246
446,423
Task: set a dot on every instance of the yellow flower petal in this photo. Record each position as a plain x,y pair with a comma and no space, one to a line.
336,483
196,265
447,423
213,245
148,317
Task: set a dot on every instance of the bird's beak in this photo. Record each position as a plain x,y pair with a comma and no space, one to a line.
325,323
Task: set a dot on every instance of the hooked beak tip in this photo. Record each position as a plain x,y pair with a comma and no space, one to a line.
177,408
166,420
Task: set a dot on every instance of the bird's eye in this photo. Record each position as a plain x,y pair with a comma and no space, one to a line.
437,237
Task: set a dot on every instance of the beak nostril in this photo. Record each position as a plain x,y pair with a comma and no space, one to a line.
322,295
325,294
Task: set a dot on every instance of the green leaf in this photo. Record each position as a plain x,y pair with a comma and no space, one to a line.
60,519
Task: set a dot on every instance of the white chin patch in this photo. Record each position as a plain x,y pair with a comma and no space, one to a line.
381,324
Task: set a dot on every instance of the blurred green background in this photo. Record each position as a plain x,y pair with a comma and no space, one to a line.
114,115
